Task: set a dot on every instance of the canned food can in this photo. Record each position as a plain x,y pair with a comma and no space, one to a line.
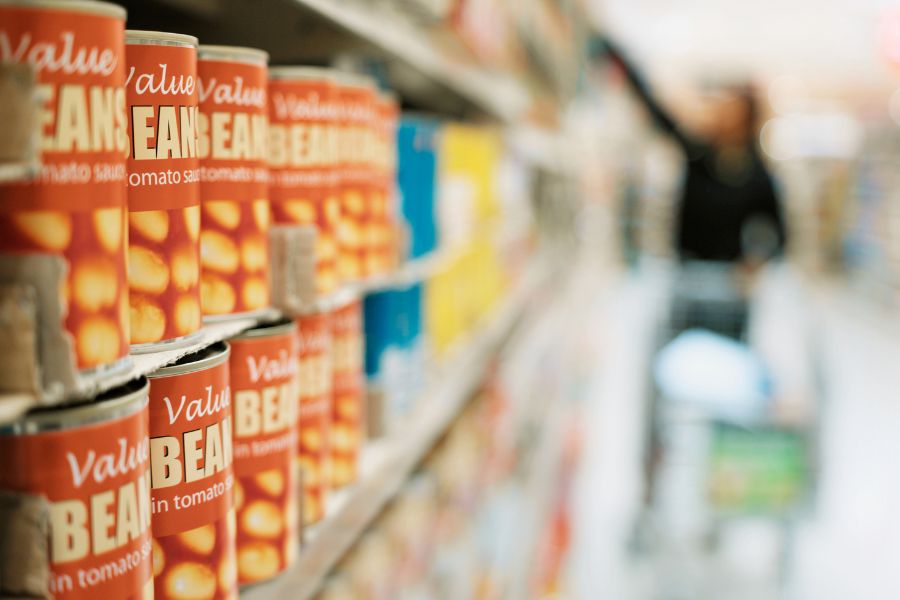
356,101
163,190
303,160
314,386
380,228
263,377
192,479
75,206
347,415
91,462
234,246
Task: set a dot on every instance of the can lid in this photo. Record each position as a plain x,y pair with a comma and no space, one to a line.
278,327
233,53
159,38
106,9
116,403
205,358
302,72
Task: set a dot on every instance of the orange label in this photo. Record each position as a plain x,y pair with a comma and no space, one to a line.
97,480
357,141
234,246
163,192
161,87
348,393
191,449
263,375
192,483
232,130
303,159
75,206
314,384
80,68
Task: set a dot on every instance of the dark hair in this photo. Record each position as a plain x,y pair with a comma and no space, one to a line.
746,94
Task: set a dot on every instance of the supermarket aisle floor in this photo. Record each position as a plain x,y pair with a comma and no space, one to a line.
851,548
847,546
608,491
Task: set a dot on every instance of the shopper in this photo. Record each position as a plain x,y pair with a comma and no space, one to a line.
729,210
729,220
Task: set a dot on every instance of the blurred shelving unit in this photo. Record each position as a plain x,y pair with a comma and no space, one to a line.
387,463
495,93
433,72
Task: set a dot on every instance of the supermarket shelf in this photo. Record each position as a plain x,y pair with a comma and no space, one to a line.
412,272
144,364
14,406
495,93
387,463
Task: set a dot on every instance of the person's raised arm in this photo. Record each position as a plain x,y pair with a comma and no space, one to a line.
660,116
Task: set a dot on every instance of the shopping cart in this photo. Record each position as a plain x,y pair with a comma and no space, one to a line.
714,455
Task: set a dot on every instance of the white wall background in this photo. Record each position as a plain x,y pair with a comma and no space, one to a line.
831,44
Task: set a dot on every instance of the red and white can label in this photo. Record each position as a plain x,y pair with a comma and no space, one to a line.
264,372
97,480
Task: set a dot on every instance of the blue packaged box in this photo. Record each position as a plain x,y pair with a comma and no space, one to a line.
417,143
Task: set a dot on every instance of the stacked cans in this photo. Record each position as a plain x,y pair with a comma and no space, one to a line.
155,193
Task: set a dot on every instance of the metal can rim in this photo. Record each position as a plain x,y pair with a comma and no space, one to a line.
141,37
280,327
212,356
94,7
301,73
233,53
119,402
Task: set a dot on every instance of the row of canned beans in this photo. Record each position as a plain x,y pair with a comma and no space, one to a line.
198,481
164,164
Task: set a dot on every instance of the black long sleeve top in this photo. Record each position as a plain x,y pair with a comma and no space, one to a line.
717,202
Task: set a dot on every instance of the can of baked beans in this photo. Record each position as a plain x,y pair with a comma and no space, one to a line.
380,226
192,479
91,462
314,385
264,382
233,125
75,205
163,190
356,96
348,393
303,155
